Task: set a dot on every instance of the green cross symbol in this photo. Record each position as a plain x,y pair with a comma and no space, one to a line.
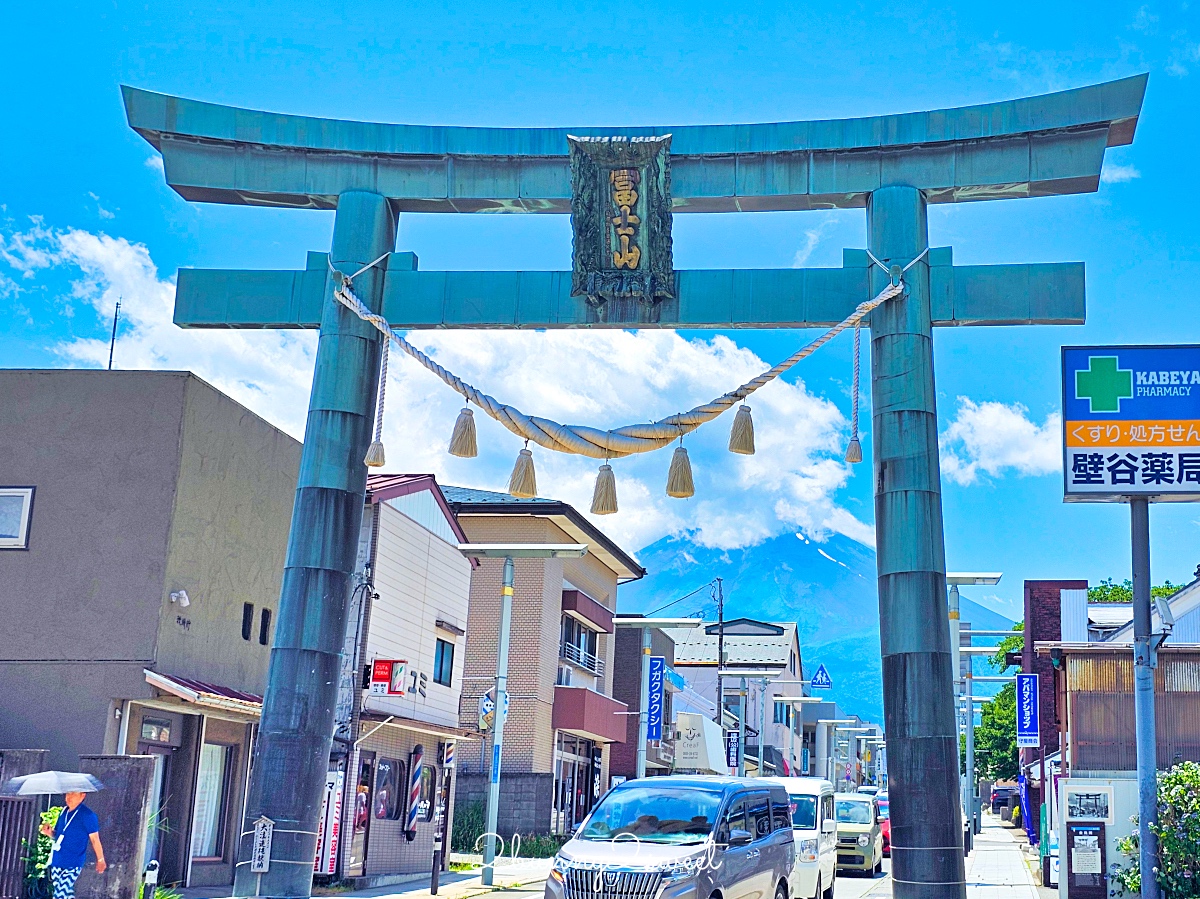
1104,385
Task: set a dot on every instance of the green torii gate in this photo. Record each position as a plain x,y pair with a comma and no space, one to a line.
893,166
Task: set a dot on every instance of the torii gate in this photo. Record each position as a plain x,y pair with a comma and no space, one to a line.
893,166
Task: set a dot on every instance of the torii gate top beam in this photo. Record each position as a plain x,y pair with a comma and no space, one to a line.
1034,146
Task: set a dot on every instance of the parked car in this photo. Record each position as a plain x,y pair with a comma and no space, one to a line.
869,789
860,838
814,829
1001,797
680,837
885,822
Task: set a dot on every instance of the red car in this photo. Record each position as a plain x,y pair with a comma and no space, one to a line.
885,823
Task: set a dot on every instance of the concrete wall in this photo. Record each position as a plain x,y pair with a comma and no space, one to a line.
229,529
79,609
526,801
121,808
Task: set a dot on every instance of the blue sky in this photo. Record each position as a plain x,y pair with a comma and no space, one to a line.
86,218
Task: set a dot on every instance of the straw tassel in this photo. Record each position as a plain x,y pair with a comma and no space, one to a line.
523,483
375,457
604,497
854,448
679,478
462,441
741,436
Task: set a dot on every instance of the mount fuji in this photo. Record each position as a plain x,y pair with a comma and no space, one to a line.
828,588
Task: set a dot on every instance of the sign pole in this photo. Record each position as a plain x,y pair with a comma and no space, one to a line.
644,702
1144,663
741,766
969,774
493,797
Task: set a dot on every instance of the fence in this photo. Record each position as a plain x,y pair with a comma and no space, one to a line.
18,830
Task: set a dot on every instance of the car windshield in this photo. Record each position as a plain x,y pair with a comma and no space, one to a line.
883,810
804,812
654,815
853,811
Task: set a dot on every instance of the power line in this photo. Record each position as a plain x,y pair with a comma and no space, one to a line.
681,599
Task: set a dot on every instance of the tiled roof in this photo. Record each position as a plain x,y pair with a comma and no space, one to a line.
475,495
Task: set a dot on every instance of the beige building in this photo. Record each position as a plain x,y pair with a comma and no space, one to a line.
562,717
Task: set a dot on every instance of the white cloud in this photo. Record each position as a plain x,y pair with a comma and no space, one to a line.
994,438
601,378
154,162
812,239
1113,173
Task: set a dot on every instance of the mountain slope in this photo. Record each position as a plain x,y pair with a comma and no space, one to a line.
828,589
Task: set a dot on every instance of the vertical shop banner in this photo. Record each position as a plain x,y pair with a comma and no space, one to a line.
1029,732
654,702
329,824
1131,422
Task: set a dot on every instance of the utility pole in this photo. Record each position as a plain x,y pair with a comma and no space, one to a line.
720,652
762,727
493,797
1144,662
112,343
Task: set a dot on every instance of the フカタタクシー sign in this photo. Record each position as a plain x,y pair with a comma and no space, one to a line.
1131,423
654,704
1029,732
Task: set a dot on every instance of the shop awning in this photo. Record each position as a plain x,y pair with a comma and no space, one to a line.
205,695
445,731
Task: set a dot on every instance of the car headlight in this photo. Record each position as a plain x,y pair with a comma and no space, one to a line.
558,870
684,869
808,850
864,839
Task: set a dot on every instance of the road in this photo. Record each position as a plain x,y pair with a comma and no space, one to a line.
858,886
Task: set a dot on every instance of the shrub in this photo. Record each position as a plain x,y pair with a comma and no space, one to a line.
1178,832
36,861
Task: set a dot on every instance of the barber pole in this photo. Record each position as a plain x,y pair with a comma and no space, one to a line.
414,791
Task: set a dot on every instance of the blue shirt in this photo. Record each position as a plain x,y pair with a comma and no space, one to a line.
75,828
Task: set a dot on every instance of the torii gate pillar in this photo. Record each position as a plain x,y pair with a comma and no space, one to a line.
295,736
918,698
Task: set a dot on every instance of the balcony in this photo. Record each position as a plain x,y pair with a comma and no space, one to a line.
586,713
581,658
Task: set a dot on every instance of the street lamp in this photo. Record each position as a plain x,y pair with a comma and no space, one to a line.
507,552
955,580
646,625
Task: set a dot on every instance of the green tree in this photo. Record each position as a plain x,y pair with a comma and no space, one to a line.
1110,591
1015,643
996,736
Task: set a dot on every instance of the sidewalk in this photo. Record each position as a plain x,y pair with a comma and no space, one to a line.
526,875
996,869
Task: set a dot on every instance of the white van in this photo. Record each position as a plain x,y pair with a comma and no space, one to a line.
814,829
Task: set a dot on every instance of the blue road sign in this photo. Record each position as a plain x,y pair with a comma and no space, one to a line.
654,703
821,680
1029,732
732,749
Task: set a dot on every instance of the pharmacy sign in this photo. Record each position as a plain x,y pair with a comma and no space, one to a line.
1131,423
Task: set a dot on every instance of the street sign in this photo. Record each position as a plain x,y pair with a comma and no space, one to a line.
1131,423
732,753
487,710
821,680
260,848
654,702
804,760
1029,733
849,771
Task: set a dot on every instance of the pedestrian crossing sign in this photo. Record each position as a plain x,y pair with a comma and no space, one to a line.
821,680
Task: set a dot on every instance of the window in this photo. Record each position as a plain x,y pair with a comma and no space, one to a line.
758,815
264,628
211,781
781,814
443,662
389,788
16,508
804,811
735,819
247,620
783,713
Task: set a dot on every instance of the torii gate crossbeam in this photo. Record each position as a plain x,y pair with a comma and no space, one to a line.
893,166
